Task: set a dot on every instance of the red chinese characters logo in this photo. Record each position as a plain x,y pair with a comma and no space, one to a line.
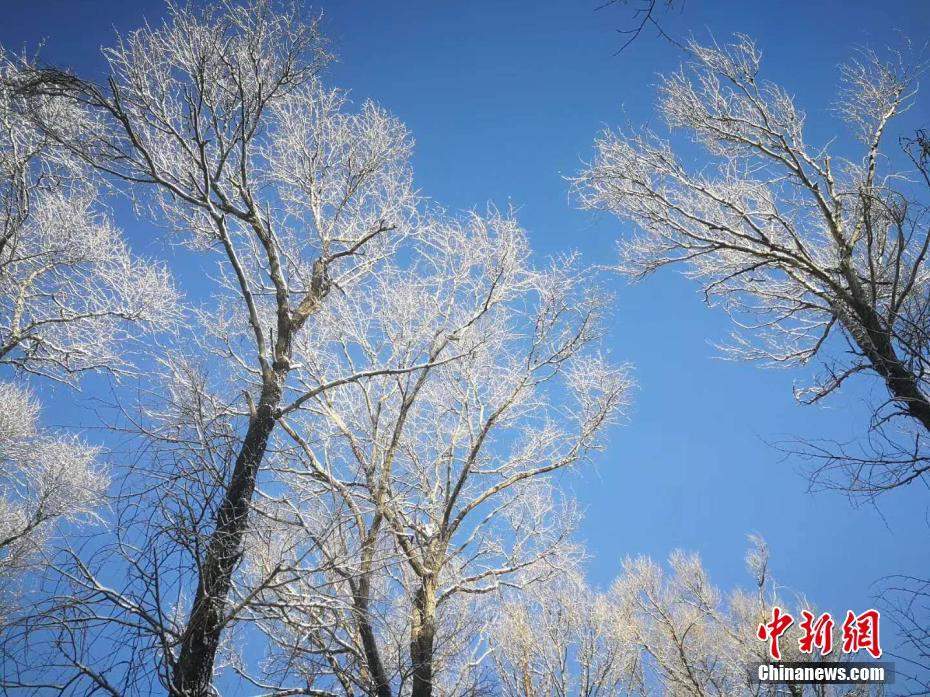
770,631
817,633
860,632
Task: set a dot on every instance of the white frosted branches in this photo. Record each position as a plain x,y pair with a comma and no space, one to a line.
800,246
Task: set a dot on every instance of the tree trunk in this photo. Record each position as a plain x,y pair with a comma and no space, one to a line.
422,636
369,643
193,672
874,338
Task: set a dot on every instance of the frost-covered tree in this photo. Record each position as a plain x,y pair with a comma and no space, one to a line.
441,479
71,293
563,638
72,299
343,466
43,478
658,630
216,122
815,255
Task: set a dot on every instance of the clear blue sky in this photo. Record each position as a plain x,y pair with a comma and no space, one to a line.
504,99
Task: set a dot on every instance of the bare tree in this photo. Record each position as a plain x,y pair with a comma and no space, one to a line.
813,255
692,640
72,294
442,476
216,122
369,410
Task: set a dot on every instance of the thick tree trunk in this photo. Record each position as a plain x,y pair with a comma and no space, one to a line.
375,667
902,384
874,338
873,334
422,637
193,671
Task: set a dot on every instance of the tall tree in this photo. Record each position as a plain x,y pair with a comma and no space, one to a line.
812,254
215,121
441,478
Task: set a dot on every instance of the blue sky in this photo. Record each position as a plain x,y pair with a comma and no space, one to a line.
504,99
